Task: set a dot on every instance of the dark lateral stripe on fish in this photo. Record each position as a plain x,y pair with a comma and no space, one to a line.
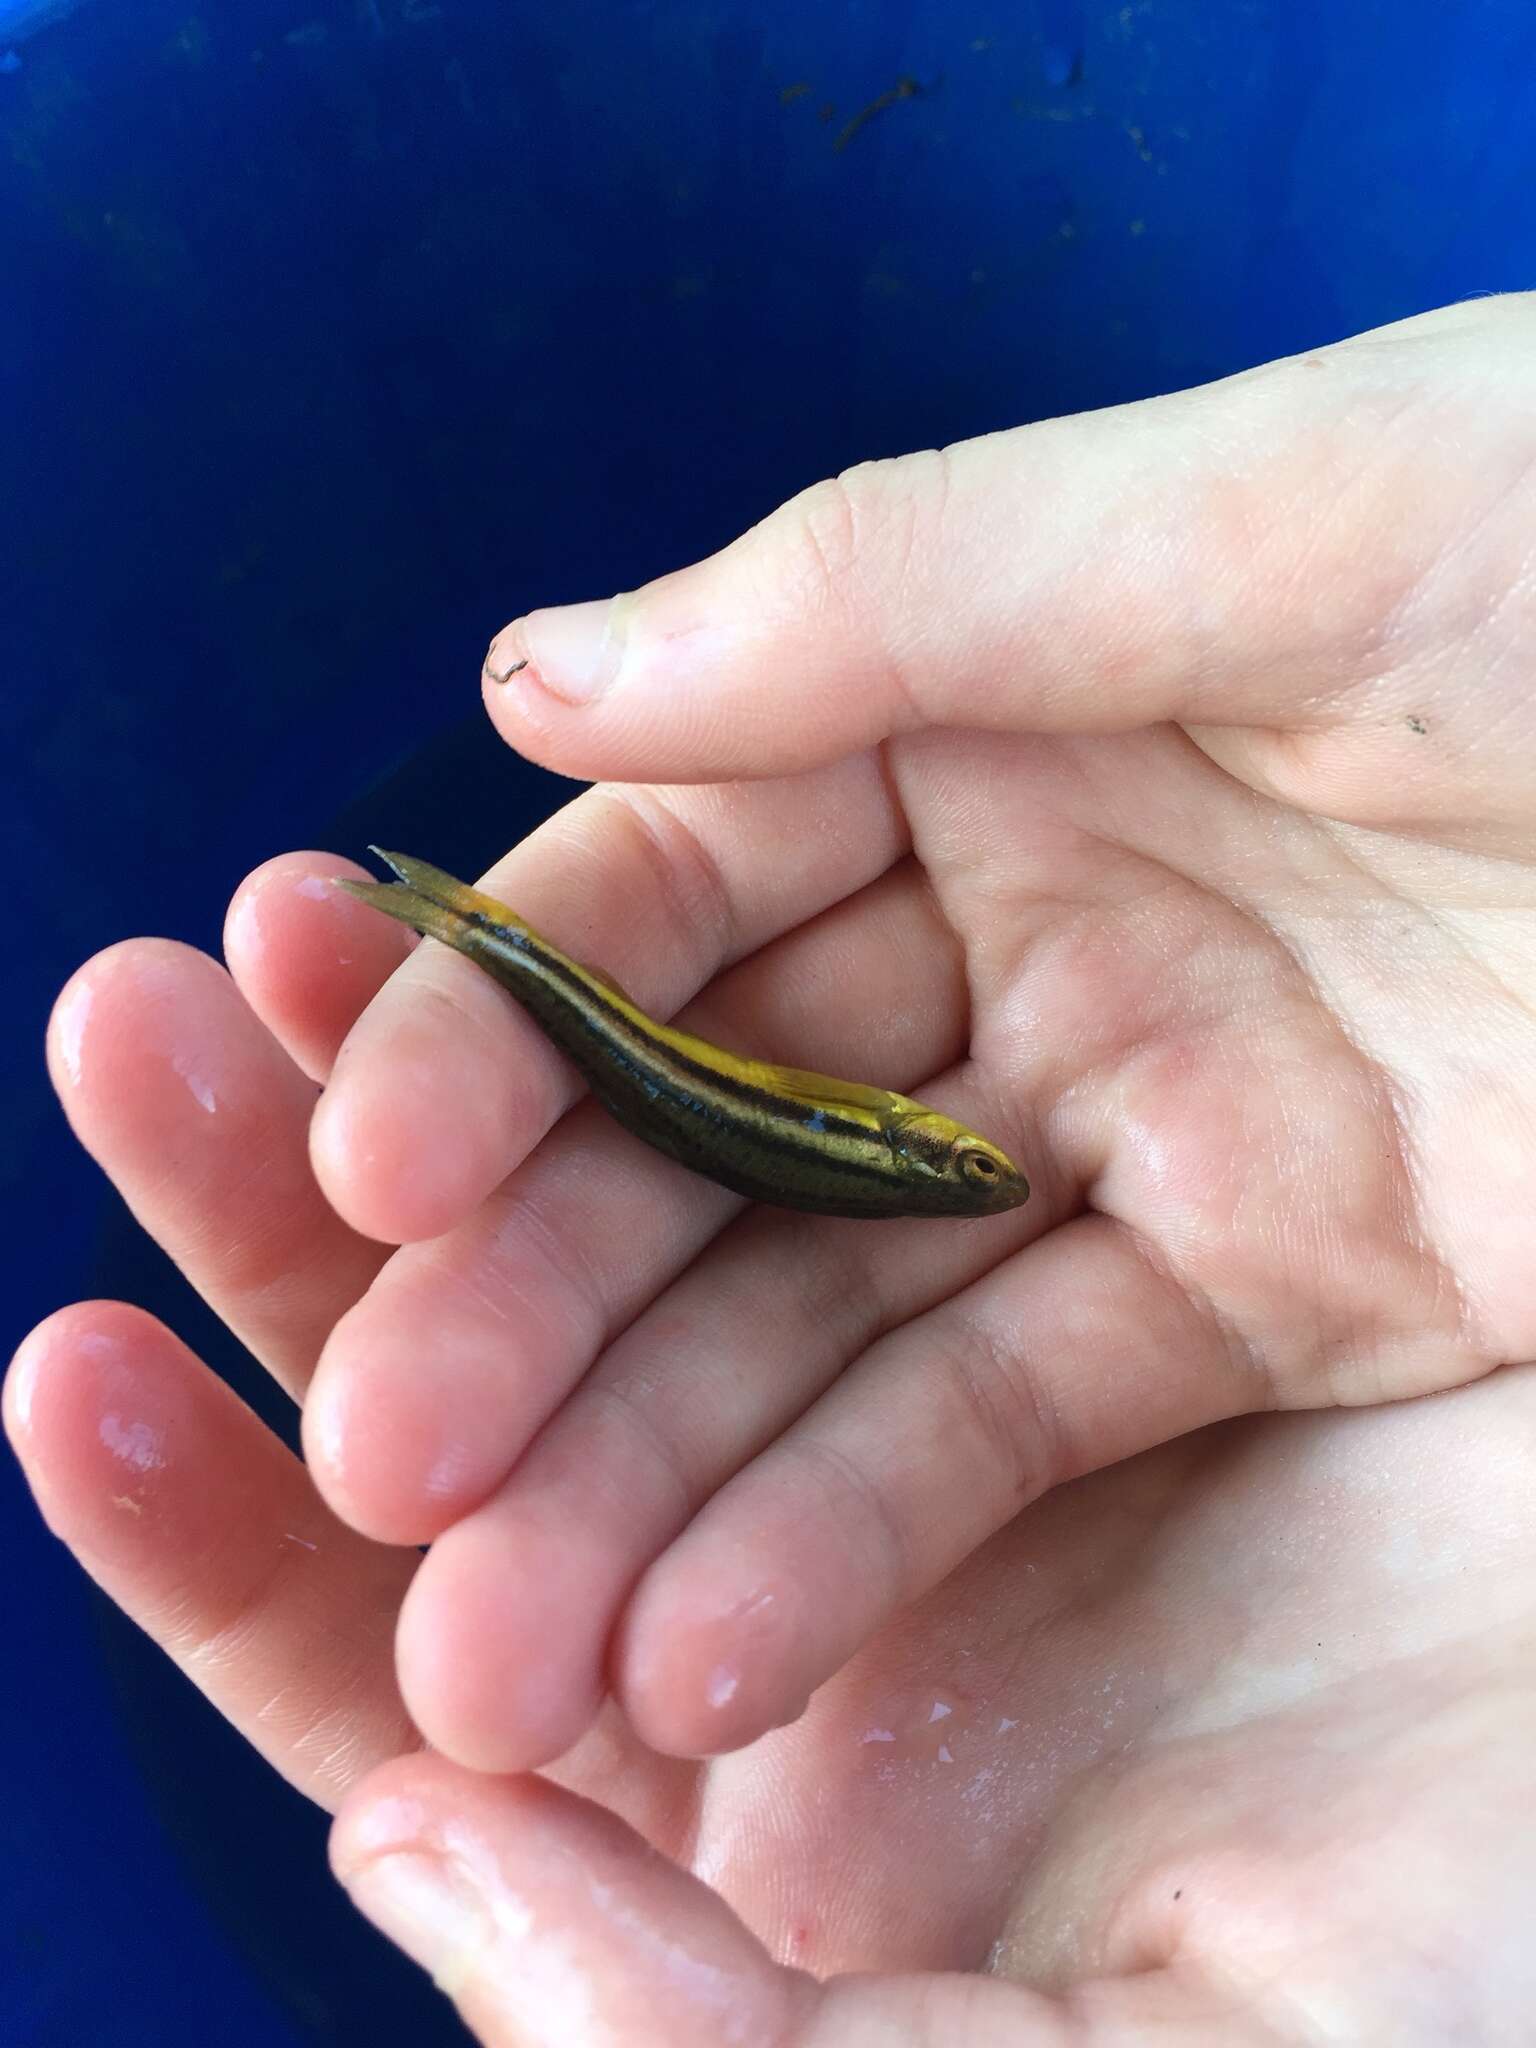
607,1024
824,1146
778,1125
544,962
786,1136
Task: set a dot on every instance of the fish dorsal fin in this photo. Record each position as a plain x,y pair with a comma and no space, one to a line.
824,1090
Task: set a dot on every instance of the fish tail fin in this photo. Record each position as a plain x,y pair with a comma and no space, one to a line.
435,904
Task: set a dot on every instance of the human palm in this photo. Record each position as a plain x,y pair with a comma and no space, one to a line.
1199,876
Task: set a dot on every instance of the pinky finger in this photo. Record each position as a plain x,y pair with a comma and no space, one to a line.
206,1530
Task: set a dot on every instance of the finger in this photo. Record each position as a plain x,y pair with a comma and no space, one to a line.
1234,554
552,1925
307,957
205,1529
503,1643
201,1121
436,1382
445,1085
547,1920
1069,1357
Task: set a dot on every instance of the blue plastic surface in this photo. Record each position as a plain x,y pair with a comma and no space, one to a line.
332,332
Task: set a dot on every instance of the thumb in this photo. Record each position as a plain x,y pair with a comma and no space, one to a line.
553,1925
1227,555
548,1921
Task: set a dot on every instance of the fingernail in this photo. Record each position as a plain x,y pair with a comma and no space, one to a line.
505,657
572,650
423,1903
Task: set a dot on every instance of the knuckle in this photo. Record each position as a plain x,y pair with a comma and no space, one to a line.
998,1406
685,880
869,1522
814,541
860,534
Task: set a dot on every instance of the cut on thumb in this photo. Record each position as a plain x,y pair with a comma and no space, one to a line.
1240,553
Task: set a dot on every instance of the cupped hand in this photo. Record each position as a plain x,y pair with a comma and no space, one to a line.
1153,790
1156,792
1227,1746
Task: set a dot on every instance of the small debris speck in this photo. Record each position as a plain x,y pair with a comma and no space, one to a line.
903,89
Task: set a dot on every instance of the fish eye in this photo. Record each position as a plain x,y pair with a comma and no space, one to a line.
978,1166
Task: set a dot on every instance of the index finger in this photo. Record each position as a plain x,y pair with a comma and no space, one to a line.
444,1085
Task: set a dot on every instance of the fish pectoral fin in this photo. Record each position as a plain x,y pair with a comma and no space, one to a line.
821,1090
896,1123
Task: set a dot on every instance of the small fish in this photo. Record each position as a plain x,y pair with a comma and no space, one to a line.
774,1134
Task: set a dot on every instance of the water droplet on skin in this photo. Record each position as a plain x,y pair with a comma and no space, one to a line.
198,1086
69,1024
328,1435
138,1444
751,1604
722,1686
976,1791
21,1384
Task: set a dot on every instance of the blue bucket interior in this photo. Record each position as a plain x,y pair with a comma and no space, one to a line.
334,332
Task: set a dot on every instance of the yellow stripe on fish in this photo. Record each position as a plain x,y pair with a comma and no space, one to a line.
775,1134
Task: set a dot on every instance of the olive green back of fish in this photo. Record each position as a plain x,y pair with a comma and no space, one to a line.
775,1134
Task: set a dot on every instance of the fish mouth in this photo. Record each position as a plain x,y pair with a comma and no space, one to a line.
993,1201
1013,1195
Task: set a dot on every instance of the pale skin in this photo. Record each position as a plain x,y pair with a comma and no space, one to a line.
1154,790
